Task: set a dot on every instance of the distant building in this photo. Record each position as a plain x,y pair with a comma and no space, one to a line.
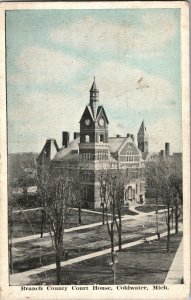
99,151
143,140
164,155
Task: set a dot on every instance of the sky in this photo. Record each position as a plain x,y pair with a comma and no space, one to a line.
53,55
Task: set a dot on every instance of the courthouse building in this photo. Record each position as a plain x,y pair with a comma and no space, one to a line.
95,150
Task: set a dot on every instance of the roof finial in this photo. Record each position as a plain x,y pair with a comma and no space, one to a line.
94,77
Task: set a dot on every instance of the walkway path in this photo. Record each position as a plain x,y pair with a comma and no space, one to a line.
25,210
39,208
36,236
22,278
175,273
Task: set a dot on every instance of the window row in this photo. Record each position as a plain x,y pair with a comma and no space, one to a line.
100,156
100,138
130,158
87,156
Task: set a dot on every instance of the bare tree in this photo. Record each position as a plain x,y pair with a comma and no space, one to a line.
112,199
102,181
57,190
176,182
19,166
153,183
162,182
79,178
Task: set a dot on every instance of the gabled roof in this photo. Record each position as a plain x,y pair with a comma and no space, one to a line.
87,109
99,110
115,143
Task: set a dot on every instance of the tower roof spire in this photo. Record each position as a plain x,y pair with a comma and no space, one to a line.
93,88
143,130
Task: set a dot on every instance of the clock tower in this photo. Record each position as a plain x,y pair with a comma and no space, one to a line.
94,129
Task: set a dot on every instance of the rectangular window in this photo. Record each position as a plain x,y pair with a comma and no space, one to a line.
87,138
101,138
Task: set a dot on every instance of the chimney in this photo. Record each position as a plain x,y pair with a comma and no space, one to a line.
167,149
162,153
133,137
76,135
128,135
118,135
65,138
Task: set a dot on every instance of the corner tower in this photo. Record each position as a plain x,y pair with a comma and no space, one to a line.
143,138
94,129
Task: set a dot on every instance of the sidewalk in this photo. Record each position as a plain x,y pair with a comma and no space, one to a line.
22,278
175,273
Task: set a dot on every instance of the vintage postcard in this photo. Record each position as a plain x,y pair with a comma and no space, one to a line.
95,150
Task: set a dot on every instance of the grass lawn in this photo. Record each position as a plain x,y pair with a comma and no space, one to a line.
142,264
29,223
33,253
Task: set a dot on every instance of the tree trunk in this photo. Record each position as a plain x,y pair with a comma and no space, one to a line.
25,192
58,270
168,229
112,238
79,214
157,225
42,224
176,218
114,268
112,251
119,232
172,212
103,215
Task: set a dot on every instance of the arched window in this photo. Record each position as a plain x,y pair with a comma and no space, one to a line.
130,193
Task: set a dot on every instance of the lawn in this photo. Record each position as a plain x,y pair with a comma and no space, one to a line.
142,264
29,222
34,253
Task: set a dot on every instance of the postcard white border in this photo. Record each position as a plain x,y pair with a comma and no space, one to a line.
174,291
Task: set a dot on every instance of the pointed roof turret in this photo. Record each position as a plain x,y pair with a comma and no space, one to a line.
94,98
143,130
94,88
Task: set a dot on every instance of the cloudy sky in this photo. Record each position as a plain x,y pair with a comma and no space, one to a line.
52,56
